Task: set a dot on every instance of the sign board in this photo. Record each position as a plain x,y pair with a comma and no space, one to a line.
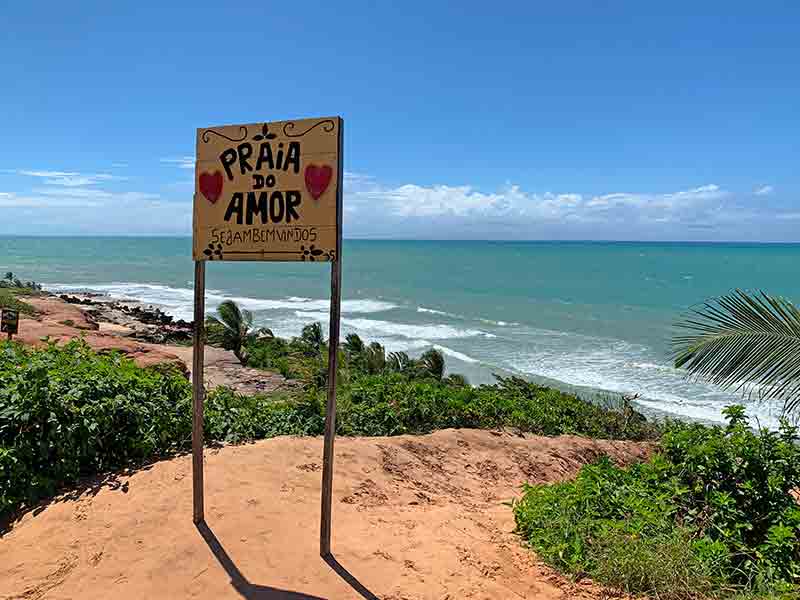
268,191
9,321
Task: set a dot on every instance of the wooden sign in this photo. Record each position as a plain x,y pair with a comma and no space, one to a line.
9,321
268,191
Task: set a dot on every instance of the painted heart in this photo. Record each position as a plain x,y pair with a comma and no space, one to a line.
317,179
211,186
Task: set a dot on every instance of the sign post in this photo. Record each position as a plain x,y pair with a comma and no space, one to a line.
268,192
9,322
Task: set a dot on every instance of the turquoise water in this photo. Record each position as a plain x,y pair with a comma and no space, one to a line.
587,314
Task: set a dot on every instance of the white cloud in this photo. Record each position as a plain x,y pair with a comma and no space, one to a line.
67,178
411,210
87,211
25,201
764,190
512,202
91,194
183,162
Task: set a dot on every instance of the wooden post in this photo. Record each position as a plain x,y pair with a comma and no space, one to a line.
197,389
333,359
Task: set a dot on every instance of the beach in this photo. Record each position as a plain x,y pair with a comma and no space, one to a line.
586,317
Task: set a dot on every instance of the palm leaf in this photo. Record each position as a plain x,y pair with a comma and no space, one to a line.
399,362
353,345
231,329
745,342
432,364
313,336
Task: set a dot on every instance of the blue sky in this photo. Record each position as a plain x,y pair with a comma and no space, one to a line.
621,120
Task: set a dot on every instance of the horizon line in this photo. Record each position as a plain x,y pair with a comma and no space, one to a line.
392,239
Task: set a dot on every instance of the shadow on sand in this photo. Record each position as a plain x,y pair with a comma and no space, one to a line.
252,591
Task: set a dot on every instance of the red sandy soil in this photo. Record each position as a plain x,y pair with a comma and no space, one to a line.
415,517
60,322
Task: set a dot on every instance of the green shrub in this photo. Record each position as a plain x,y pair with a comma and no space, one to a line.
710,514
8,299
393,403
235,418
738,489
67,412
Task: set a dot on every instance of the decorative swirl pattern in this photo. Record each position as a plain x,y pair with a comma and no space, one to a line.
328,126
242,130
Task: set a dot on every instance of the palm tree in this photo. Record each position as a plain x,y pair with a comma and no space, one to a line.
745,342
431,363
353,345
312,338
399,362
376,358
233,329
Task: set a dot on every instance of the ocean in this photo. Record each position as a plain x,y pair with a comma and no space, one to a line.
584,316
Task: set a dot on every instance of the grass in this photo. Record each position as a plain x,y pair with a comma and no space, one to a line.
709,516
8,299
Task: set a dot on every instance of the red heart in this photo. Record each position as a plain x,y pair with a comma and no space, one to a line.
211,185
317,179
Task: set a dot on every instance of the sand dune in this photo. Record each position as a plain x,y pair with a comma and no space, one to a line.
415,517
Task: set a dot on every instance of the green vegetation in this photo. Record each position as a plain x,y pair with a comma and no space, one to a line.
710,515
380,394
233,329
8,299
306,358
10,281
745,342
11,287
68,412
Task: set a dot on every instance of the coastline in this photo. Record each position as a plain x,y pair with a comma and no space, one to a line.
141,332
149,334
593,318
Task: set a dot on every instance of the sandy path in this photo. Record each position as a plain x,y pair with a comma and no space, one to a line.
414,518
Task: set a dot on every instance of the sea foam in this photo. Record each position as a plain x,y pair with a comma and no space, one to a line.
178,302
405,330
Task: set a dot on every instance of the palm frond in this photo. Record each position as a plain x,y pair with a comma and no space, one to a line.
432,363
231,329
376,358
745,342
231,315
312,335
399,362
353,345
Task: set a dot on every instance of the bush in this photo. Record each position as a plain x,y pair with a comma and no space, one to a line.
382,394
710,514
738,488
67,412
8,299
391,404
235,418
